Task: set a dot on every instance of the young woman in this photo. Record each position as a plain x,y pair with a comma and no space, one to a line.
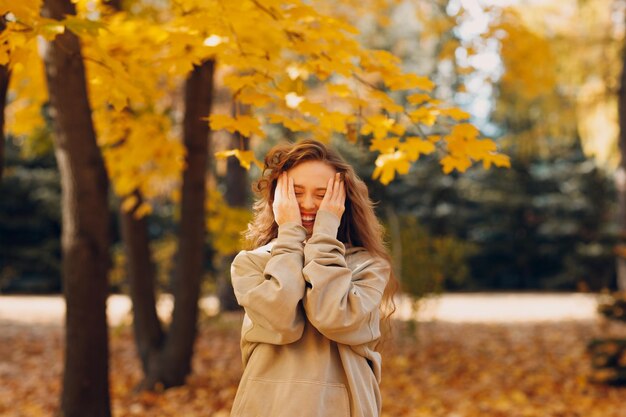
314,290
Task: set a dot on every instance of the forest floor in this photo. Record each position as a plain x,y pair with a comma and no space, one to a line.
503,356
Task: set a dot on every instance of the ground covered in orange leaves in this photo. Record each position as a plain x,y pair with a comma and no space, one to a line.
432,370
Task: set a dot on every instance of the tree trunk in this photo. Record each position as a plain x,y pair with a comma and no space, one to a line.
149,334
236,196
85,239
4,86
620,177
174,363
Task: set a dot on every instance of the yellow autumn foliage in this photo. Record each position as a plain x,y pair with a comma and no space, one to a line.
225,223
274,53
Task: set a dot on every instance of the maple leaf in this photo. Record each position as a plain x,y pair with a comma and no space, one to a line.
384,145
496,159
23,9
237,82
451,163
244,124
414,146
336,121
418,98
464,130
83,26
295,124
388,164
254,98
49,28
409,82
478,149
454,113
424,115
246,158
378,124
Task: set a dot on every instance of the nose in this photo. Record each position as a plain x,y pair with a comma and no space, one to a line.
308,202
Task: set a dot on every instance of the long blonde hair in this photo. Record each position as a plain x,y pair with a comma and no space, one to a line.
359,225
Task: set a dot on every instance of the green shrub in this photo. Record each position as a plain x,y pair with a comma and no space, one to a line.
425,263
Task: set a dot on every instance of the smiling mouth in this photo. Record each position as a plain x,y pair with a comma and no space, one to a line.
308,219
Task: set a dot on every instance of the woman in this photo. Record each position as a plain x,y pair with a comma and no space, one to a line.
314,289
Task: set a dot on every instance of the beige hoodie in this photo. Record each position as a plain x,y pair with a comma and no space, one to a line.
311,325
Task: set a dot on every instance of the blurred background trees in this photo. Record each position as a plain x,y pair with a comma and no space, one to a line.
545,224
421,81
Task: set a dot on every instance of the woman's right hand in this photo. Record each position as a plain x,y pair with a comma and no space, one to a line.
285,206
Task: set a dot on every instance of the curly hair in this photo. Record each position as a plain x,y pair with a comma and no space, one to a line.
359,225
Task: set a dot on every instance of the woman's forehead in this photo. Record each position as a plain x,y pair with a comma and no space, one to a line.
311,174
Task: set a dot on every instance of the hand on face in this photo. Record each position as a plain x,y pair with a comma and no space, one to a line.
335,197
285,205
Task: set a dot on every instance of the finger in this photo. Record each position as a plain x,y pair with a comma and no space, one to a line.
336,184
292,191
285,185
329,189
342,192
277,189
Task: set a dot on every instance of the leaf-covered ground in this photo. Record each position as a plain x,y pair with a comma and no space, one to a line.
437,369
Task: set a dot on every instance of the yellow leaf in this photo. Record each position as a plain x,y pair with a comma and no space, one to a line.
477,149
49,28
83,26
409,82
129,202
22,9
244,124
340,90
434,138
397,129
424,115
386,101
246,158
414,146
457,146
450,163
378,124
380,58
335,121
309,108
497,159
456,114
236,81
294,124
386,145
388,164
464,130
418,98
252,97
143,210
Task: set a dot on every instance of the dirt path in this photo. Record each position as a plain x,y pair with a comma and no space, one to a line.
457,308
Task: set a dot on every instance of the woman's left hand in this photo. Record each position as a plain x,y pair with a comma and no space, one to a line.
335,197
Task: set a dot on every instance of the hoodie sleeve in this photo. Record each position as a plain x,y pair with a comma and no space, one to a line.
343,304
270,294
